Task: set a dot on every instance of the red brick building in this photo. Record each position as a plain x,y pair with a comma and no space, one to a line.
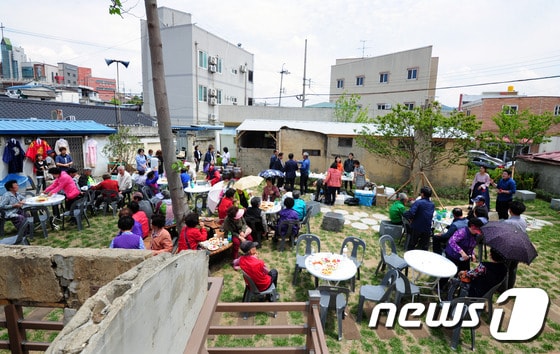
105,87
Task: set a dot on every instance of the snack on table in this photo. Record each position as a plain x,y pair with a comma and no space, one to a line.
266,206
212,244
327,265
42,198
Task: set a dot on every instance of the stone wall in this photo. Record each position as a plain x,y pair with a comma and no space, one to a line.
62,277
151,308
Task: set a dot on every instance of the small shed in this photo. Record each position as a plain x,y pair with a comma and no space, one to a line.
546,165
85,139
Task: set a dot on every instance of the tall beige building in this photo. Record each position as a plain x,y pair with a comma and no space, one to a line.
407,78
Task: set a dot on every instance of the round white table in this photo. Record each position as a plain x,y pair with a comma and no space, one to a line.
330,267
431,264
52,200
198,188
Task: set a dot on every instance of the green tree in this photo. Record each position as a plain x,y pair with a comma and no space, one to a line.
122,146
347,109
419,139
518,131
162,106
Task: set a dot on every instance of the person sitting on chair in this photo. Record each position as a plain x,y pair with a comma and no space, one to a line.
225,203
106,184
255,267
126,238
12,204
192,233
288,213
397,209
235,223
459,222
299,205
256,217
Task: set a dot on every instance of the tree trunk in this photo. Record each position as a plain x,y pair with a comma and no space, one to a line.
162,109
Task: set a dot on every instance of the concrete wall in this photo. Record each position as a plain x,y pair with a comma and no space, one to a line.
235,115
60,276
152,308
549,175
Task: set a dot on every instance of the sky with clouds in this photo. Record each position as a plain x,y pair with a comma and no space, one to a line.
477,41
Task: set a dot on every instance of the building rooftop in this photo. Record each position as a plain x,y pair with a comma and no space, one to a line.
24,109
51,127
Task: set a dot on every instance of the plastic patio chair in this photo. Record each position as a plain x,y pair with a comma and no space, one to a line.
252,292
110,198
405,288
356,254
77,211
333,297
22,236
41,215
391,259
377,293
312,244
288,227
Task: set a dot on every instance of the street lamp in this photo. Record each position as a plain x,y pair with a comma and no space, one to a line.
282,73
117,107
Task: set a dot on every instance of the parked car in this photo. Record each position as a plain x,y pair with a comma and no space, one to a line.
480,158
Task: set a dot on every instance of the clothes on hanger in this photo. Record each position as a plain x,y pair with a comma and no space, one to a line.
60,143
91,152
14,156
37,148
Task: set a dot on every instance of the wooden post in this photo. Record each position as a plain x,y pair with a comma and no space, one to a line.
16,334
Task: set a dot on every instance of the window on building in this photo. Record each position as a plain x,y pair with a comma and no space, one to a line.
409,105
249,101
250,76
383,106
359,81
412,74
510,109
384,78
202,59
219,96
219,65
468,112
557,110
340,83
202,93
311,152
345,142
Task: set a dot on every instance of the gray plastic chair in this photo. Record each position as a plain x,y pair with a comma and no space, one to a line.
289,234
333,297
311,243
405,288
391,259
251,292
357,252
22,236
77,211
377,293
41,215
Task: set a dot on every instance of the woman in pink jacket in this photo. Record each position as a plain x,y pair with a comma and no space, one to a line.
333,181
63,182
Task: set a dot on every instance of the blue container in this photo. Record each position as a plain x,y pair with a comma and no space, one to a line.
365,197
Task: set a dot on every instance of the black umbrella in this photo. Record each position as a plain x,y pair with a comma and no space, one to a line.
271,173
510,240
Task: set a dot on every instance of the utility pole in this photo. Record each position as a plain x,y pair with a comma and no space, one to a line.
304,71
282,73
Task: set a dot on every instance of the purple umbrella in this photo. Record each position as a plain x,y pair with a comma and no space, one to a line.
271,173
510,240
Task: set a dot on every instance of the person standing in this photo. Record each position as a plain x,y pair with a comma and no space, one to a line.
141,162
208,158
290,168
304,168
225,157
333,181
273,158
64,161
348,168
197,157
63,182
40,171
159,156
421,214
479,186
359,175
516,208
279,165
506,189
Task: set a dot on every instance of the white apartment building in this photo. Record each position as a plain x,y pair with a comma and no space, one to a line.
202,71
407,78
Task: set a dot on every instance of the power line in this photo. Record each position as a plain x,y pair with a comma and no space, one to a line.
437,88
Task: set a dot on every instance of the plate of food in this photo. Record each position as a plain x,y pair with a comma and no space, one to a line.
42,198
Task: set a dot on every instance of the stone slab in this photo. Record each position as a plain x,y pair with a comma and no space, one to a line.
525,195
555,204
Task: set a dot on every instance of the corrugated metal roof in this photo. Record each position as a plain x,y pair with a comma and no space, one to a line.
55,127
552,157
327,128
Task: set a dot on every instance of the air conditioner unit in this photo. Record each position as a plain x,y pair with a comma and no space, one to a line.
213,101
387,106
212,92
212,68
211,117
212,60
243,69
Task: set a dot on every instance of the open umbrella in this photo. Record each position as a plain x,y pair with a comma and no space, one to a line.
247,182
271,173
510,240
214,196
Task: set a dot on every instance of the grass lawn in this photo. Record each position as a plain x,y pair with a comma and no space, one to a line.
542,273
